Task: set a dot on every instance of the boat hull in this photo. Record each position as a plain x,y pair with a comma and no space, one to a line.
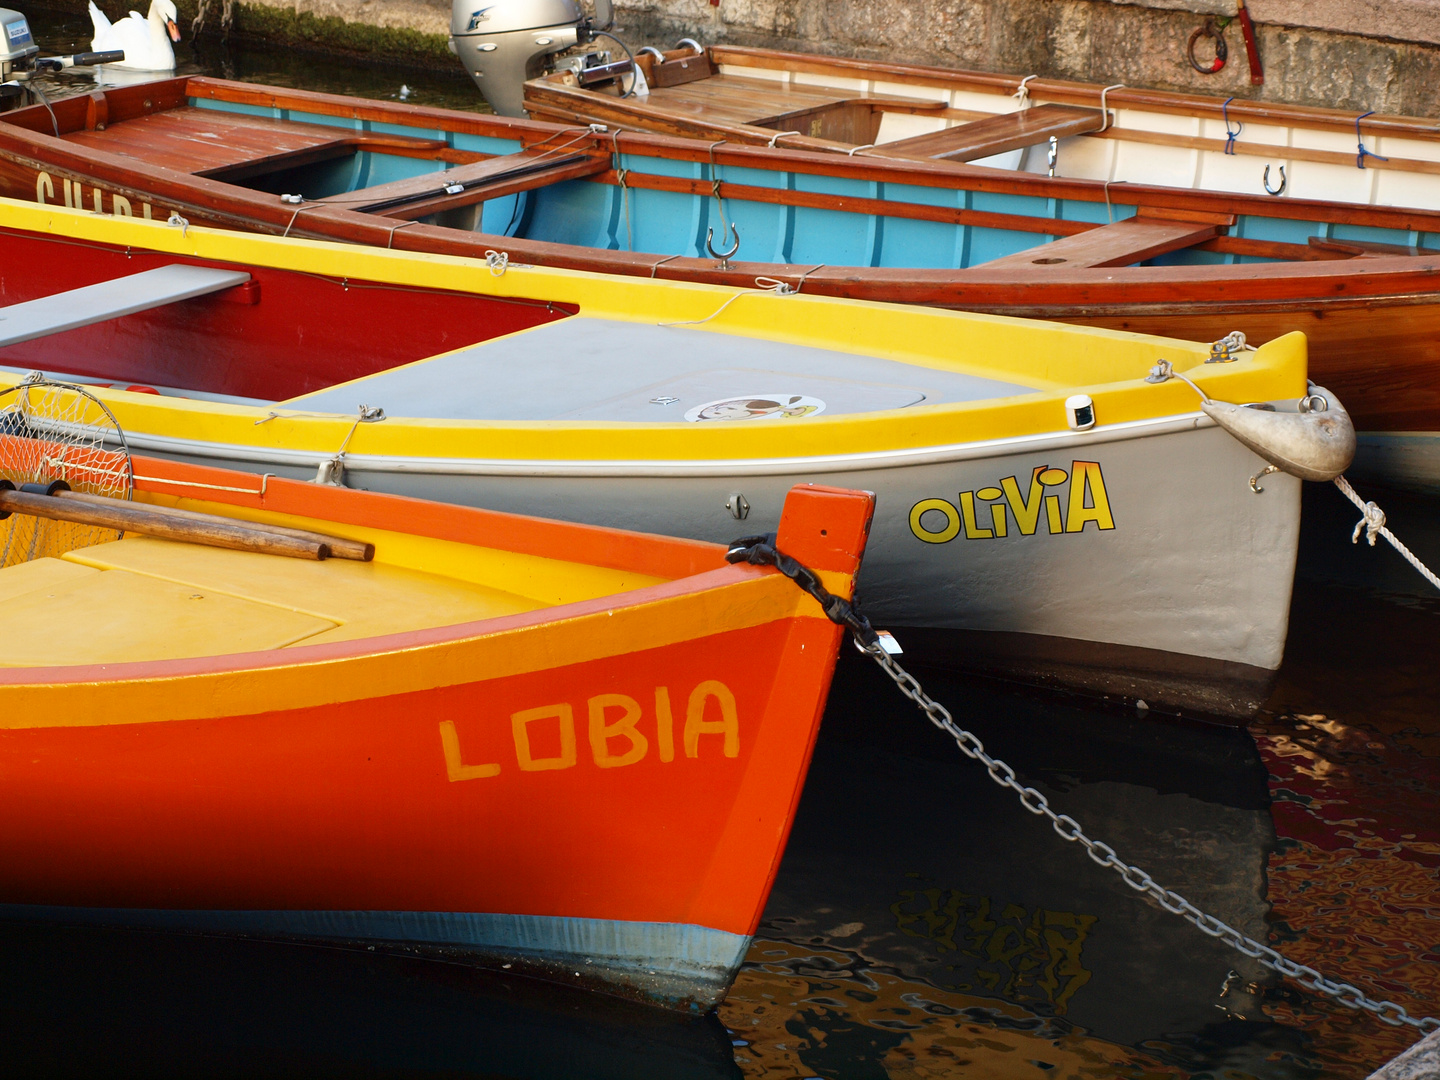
912,232
1177,586
598,793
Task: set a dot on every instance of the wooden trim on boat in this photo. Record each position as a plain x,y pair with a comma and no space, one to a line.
1067,291
1075,93
919,173
995,134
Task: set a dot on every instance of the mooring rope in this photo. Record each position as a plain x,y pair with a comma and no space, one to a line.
1373,524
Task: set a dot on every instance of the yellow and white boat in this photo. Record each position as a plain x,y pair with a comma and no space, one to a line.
1066,518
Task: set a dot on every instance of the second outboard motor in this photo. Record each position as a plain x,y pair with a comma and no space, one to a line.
20,59
17,45
504,42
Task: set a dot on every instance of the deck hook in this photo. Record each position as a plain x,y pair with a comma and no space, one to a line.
1230,136
692,43
1276,191
723,256
1104,110
1361,152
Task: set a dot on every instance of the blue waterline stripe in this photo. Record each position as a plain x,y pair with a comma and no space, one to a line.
668,960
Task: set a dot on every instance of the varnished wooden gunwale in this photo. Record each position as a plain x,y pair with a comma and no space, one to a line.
1077,93
919,173
1331,295
558,102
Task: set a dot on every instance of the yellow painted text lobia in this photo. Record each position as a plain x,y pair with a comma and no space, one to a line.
613,727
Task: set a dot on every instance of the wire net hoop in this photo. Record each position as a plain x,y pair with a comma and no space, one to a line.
58,431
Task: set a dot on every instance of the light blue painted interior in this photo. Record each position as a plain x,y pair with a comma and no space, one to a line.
669,223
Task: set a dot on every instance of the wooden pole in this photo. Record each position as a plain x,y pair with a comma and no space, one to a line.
340,547
219,532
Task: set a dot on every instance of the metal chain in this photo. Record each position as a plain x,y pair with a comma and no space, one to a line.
1104,855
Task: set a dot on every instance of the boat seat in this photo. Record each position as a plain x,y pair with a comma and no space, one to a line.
1361,249
465,185
994,134
233,147
1122,243
112,299
737,103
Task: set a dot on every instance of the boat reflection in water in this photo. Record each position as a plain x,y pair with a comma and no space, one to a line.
921,924
967,932
100,1002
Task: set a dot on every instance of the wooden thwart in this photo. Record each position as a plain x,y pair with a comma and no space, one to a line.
995,134
1124,243
112,299
207,142
465,185
1362,249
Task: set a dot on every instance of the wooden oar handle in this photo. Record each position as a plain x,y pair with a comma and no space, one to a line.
340,547
123,517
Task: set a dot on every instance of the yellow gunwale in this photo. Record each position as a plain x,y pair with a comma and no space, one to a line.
1056,359
242,684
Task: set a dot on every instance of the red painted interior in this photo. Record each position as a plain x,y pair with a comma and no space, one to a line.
305,332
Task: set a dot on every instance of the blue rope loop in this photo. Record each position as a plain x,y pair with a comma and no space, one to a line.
1230,136
1360,143
761,551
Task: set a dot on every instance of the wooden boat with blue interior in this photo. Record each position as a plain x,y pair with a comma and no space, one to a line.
1362,281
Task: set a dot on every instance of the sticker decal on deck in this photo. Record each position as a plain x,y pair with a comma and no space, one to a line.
758,407
987,514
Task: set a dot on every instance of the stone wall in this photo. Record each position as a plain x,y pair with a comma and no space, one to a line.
1307,54
1348,54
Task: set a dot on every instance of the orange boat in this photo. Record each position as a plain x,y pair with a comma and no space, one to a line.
567,750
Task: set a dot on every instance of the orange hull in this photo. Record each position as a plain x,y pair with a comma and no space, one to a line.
600,791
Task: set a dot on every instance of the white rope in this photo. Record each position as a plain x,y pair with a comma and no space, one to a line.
775,286
1373,523
1022,93
264,483
497,261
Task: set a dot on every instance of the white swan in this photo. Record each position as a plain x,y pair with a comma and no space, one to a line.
146,41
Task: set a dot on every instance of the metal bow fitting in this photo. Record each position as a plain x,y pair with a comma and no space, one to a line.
761,551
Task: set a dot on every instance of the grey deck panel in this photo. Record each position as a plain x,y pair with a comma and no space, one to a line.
112,299
604,369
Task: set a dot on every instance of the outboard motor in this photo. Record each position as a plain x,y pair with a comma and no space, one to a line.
20,58
17,45
502,43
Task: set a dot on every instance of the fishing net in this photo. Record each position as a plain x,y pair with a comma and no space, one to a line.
56,431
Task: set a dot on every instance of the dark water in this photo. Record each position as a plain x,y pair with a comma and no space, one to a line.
60,33
922,924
